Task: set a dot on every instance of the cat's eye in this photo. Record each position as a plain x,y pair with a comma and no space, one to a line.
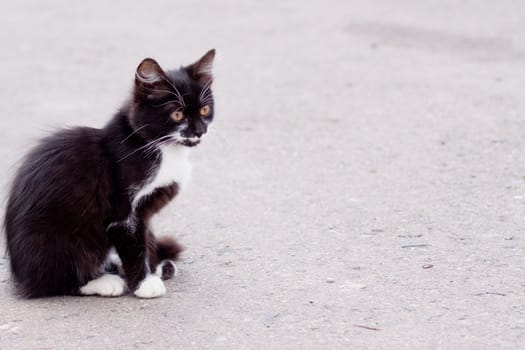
205,110
177,116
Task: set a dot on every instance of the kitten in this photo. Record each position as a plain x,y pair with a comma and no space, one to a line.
83,192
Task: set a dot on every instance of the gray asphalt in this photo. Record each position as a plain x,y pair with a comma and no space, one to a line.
363,185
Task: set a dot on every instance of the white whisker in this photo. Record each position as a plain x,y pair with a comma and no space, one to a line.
149,144
134,132
168,102
205,88
207,101
167,91
181,99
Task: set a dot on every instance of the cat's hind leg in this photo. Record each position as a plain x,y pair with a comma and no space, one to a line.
162,253
113,264
166,269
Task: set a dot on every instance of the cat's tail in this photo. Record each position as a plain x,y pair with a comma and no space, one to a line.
168,248
163,252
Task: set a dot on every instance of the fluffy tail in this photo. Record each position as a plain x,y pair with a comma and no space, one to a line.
168,248
163,251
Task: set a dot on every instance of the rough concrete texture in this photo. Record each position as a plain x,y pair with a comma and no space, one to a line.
363,186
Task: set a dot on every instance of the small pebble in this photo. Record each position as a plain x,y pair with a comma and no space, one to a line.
427,266
330,280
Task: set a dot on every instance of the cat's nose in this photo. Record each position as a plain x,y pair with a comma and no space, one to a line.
199,129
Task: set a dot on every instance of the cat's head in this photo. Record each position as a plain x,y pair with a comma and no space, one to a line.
174,106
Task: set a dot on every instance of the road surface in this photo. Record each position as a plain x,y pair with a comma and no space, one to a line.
362,187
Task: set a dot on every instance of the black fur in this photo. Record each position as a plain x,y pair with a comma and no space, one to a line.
71,197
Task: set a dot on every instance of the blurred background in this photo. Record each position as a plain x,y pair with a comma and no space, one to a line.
363,184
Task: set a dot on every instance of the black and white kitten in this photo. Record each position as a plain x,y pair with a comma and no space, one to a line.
84,193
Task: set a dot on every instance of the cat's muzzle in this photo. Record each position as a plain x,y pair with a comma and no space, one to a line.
190,142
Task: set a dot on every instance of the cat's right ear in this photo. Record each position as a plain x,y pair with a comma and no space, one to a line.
150,79
201,70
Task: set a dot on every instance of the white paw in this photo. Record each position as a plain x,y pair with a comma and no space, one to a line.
151,287
106,286
160,266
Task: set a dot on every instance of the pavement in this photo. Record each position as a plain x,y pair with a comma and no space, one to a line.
362,187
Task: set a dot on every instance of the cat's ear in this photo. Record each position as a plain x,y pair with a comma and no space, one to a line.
149,72
201,70
150,79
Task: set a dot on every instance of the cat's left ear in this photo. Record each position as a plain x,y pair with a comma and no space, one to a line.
149,72
150,79
201,70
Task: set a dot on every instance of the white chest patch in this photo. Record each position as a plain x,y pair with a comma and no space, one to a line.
174,167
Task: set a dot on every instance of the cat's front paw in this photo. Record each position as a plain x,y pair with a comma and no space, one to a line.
151,287
106,286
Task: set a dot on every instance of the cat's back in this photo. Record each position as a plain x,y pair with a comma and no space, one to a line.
71,143
62,156
62,172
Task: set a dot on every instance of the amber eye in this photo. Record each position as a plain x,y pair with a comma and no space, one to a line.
205,110
177,116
